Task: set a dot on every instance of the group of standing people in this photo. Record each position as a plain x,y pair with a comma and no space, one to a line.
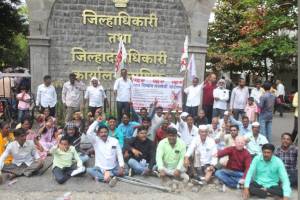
258,103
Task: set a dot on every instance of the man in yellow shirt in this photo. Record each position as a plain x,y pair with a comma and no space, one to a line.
5,138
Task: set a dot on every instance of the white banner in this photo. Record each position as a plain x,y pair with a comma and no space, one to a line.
166,90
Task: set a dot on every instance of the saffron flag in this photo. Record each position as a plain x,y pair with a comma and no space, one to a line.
192,68
184,56
121,58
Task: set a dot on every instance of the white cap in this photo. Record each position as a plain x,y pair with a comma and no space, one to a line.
184,114
226,112
255,124
94,79
203,127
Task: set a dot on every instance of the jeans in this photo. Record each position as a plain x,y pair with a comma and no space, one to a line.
255,189
193,111
237,113
137,167
293,176
22,114
64,174
98,173
84,158
122,107
229,177
218,113
266,128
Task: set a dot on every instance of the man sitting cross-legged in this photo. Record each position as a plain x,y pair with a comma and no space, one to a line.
237,165
63,156
140,152
26,160
170,155
108,154
264,174
204,148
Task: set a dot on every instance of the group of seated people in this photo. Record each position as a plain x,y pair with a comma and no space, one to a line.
231,151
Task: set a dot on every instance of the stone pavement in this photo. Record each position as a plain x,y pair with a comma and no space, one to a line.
45,187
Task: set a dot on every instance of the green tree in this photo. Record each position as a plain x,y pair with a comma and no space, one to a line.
13,32
255,35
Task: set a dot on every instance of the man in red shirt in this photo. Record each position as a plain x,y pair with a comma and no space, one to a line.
161,132
238,164
208,99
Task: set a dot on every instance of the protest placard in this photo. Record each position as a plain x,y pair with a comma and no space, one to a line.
166,90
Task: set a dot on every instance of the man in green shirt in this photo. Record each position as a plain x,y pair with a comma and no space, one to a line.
63,156
170,156
267,170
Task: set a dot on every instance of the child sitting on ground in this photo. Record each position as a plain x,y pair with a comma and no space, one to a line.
72,132
63,156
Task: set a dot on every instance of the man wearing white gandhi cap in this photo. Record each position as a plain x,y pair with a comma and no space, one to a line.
255,140
204,148
95,95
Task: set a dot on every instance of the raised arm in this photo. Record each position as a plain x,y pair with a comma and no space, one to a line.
91,131
234,121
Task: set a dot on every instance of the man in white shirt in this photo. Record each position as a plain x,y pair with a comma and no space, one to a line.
46,96
221,96
109,160
204,149
255,140
122,90
95,95
72,93
187,130
239,99
280,94
26,160
193,93
257,92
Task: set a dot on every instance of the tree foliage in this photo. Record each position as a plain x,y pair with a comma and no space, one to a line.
255,35
13,32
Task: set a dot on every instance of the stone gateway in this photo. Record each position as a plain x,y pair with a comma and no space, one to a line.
82,36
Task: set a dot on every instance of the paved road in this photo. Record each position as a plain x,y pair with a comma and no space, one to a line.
44,187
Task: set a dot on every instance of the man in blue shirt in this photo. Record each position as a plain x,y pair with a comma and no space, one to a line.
127,127
244,125
266,171
266,104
